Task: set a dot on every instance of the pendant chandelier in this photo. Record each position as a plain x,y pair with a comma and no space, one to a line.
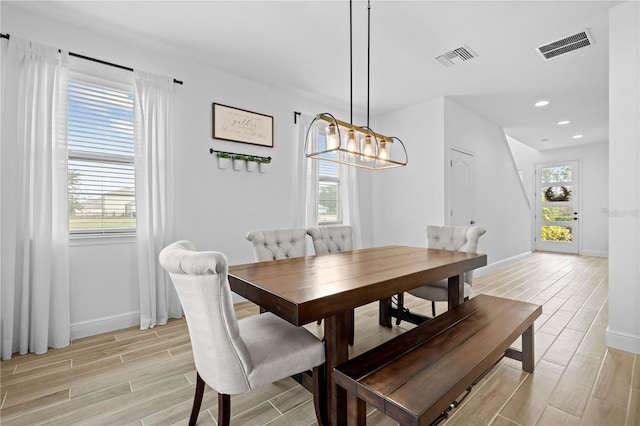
333,140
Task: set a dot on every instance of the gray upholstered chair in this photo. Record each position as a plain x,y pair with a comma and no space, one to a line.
453,238
278,244
234,356
331,239
334,239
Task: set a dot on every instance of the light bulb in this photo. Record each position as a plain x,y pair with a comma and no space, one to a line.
383,154
352,145
367,147
333,140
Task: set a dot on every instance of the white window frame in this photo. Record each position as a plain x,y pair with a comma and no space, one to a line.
102,78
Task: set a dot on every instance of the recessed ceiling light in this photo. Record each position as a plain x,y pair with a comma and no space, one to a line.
562,123
541,103
576,136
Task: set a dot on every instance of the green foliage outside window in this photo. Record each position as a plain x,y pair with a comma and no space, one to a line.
556,233
328,202
556,214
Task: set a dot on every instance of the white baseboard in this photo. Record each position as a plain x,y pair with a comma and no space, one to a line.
623,341
500,264
104,325
594,253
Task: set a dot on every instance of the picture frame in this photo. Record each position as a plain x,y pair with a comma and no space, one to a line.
239,125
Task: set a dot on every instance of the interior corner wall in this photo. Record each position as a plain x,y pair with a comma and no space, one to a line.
406,199
500,204
624,177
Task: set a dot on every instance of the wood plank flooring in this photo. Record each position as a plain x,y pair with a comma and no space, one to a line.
133,377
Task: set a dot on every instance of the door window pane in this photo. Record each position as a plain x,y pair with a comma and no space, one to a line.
556,233
556,193
557,174
557,213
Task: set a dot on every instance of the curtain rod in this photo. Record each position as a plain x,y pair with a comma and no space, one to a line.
100,61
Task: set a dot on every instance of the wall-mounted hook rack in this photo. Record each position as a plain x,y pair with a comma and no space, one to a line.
239,156
240,159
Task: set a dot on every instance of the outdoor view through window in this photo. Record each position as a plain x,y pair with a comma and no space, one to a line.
329,194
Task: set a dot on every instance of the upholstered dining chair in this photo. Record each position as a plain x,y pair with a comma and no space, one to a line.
331,239
453,238
278,244
334,239
234,356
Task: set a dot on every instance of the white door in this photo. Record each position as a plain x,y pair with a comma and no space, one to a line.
557,207
461,193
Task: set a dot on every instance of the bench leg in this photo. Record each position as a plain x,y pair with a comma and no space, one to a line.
528,360
356,411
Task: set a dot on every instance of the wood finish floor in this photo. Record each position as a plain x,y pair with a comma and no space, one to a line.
133,377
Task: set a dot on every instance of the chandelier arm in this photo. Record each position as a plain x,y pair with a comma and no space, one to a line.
406,156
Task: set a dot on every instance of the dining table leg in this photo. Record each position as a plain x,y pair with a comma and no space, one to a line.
456,290
336,334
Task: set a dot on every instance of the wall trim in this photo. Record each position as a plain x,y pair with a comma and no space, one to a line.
104,324
595,253
623,341
500,264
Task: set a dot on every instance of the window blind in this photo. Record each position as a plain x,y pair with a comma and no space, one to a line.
101,174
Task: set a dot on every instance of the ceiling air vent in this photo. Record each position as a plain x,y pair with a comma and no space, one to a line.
455,56
567,44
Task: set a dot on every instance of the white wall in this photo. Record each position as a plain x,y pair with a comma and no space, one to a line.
406,200
501,206
524,158
624,177
216,208
594,175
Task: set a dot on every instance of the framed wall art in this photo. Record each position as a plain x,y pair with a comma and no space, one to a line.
239,125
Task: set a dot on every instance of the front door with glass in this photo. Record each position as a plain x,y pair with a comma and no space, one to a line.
557,207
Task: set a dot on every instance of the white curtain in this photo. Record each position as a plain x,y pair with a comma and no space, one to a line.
351,201
34,230
154,196
306,200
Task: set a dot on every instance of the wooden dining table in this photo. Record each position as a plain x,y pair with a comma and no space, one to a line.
306,289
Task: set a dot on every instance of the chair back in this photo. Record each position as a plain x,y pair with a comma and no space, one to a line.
331,239
200,279
278,244
455,238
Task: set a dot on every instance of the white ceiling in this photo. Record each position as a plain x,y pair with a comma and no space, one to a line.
304,45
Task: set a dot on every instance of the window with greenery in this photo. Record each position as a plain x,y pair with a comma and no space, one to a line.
329,192
101,179
329,202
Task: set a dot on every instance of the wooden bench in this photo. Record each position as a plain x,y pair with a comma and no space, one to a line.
414,377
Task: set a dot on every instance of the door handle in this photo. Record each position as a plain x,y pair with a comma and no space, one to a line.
472,222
